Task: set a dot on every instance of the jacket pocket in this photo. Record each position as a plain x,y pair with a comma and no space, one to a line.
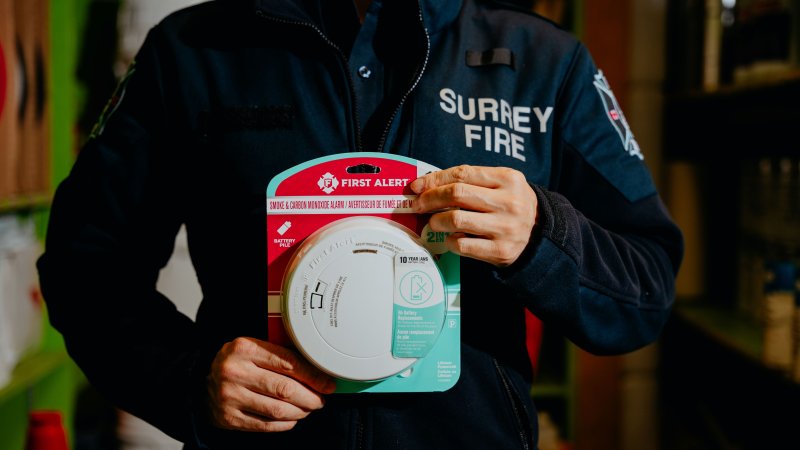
518,408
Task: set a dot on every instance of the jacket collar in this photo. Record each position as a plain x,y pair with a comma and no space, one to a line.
436,14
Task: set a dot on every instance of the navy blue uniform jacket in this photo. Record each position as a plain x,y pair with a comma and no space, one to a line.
226,94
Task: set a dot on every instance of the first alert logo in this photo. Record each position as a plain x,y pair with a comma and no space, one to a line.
328,183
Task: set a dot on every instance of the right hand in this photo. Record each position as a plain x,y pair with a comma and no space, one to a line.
259,386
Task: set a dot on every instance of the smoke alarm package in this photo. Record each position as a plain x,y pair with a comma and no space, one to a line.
358,283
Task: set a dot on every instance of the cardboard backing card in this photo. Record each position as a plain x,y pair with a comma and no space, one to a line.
328,191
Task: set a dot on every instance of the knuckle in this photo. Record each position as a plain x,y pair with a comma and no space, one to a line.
460,173
517,206
226,394
228,420
459,220
458,192
504,228
285,389
241,345
436,222
227,370
506,254
277,411
510,175
461,246
282,363
515,175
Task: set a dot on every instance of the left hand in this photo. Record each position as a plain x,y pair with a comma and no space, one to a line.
488,211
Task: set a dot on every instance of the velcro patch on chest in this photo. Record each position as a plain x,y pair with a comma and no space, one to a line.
491,57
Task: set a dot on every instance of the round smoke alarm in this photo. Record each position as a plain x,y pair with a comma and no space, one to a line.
363,299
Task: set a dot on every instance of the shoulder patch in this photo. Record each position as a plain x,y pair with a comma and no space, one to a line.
615,115
113,102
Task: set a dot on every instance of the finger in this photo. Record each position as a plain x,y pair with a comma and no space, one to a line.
239,398
494,252
282,360
494,226
248,421
456,195
285,389
234,406
461,221
270,408
268,426
489,177
242,421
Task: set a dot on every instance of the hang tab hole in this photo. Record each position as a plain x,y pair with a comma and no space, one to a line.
364,168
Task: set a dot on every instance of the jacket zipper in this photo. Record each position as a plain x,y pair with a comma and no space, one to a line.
359,429
418,76
516,405
342,58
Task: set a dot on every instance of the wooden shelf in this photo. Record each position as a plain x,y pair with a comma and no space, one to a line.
733,331
24,202
773,81
551,389
750,120
715,390
727,327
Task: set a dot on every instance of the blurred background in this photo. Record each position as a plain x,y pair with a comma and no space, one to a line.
711,89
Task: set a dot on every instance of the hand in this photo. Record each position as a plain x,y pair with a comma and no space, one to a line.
259,386
489,211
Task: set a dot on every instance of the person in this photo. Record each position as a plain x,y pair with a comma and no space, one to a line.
543,190
177,280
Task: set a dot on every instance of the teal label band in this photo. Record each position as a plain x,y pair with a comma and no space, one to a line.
416,330
419,305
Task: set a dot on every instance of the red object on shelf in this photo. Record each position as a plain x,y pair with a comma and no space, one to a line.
46,431
533,339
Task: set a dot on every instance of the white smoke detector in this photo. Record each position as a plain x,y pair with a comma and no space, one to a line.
363,299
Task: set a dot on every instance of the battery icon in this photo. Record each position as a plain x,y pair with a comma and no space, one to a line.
284,228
